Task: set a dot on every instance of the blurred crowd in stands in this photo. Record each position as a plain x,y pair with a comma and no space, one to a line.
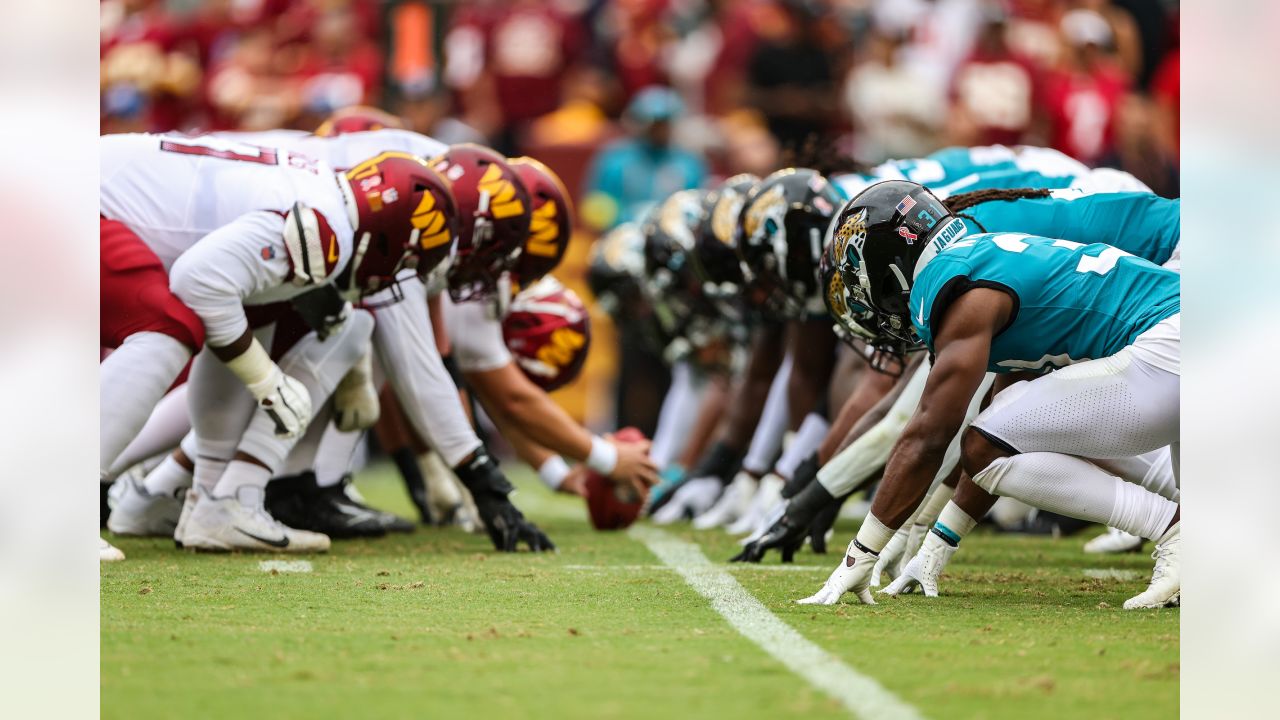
686,89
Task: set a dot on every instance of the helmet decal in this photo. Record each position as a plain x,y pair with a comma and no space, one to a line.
430,227
724,219
561,347
771,205
503,202
852,232
543,231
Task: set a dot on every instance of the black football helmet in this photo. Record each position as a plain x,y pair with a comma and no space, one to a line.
781,226
855,323
714,257
882,235
673,287
615,275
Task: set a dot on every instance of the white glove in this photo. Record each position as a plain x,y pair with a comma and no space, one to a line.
281,397
288,404
888,562
853,574
731,505
923,569
355,401
690,500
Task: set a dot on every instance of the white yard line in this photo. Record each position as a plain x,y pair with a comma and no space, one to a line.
734,568
860,694
1112,574
285,566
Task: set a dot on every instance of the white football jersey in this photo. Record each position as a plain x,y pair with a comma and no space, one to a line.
475,331
347,150
173,190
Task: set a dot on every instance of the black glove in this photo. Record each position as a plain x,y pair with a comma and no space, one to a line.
825,520
788,533
322,309
489,488
805,473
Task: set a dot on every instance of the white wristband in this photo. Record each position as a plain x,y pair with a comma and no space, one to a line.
255,369
604,456
873,534
553,471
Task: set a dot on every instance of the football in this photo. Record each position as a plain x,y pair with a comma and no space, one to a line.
613,507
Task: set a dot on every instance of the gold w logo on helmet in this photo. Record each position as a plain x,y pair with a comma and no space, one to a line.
543,231
429,223
503,202
560,347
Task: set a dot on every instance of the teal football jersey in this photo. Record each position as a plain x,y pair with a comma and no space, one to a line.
959,169
1072,302
1141,224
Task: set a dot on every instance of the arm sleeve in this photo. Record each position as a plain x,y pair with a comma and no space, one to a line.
237,261
405,346
864,456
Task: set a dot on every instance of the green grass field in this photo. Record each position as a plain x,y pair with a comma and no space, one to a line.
436,625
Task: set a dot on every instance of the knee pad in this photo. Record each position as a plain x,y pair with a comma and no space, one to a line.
989,477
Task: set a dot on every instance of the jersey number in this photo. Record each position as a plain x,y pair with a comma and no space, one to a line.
1101,264
210,147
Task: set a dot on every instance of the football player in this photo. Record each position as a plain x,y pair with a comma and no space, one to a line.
1003,302
193,229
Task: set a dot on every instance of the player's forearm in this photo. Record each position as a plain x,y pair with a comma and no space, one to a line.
914,462
871,389
896,400
531,410
814,359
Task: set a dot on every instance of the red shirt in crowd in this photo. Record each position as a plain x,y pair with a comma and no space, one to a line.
1081,108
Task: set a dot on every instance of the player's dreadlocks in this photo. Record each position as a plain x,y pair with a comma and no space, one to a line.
958,203
816,153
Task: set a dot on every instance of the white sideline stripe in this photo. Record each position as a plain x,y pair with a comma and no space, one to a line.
1112,574
285,566
860,694
734,568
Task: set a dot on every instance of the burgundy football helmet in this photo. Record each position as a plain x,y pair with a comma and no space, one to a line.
548,331
494,206
404,216
358,118
550,221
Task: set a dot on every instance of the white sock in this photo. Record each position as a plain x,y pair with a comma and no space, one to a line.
954,523
168,478
240,474
1077,488
130,383
207,473
333,458
1153,471
937,500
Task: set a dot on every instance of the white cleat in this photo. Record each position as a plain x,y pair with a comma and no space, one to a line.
732,505
1114,541
188,504
108,552
137,512
240,522
1165,589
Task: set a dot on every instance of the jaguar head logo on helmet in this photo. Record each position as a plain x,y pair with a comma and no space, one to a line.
404,217
903,226
494,206
782,226
855,323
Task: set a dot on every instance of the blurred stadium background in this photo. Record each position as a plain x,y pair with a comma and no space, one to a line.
630,100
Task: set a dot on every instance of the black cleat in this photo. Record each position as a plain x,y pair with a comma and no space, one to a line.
298,502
